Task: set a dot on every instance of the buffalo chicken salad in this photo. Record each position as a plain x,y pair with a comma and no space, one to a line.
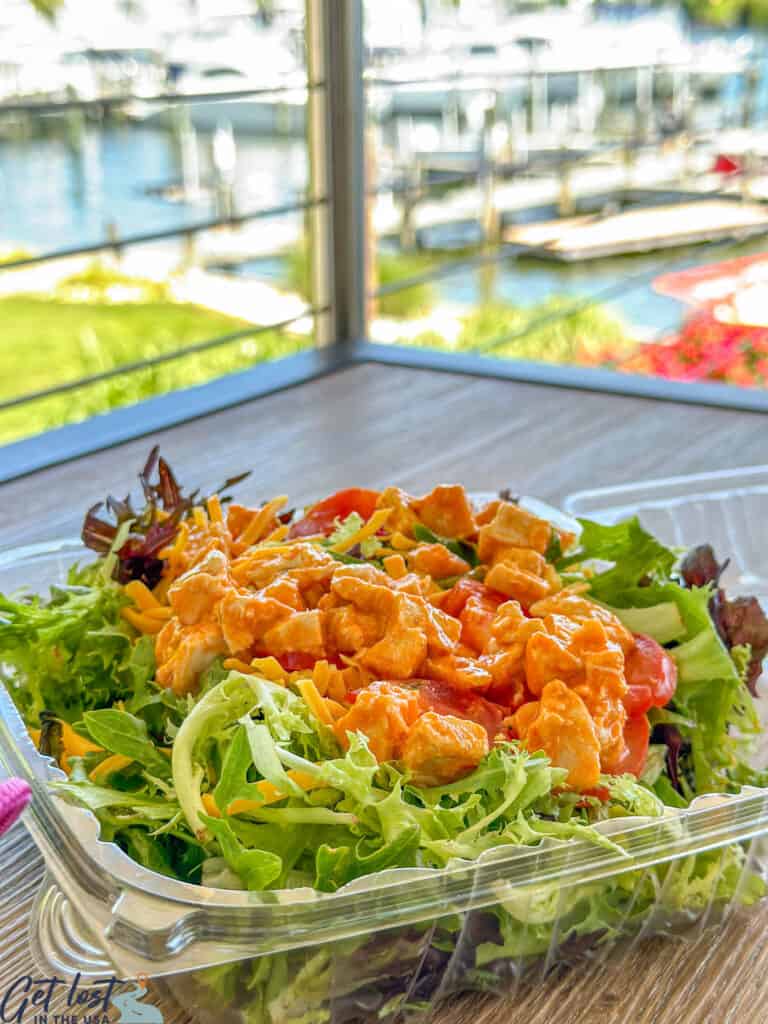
261,697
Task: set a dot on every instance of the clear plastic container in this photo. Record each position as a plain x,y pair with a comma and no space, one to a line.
394,945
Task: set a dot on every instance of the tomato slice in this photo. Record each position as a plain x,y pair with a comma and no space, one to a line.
637,735
651,676
295,661
322,516
445,700
456,598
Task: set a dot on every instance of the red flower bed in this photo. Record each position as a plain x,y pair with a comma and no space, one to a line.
707,349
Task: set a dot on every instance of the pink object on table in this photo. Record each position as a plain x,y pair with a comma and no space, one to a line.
15,794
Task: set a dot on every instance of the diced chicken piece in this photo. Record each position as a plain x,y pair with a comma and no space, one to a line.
524,558
511,630
459,672
563,729
417,586
194,595
581,609
199,545
384,713
302,561
399,620
287,591
403,647
402,519
604,671
547,658
609,718
442,748
512,527
477,618
348,630
562,627
524,718
437,561
447,511
514,582
487,512
443,630
508,678
509,618
603,692
184,652
364,585
245,618
301,632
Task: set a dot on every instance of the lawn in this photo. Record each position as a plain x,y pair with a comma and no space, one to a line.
48,341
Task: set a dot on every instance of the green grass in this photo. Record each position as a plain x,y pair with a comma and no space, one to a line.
415,301
46,342
567,333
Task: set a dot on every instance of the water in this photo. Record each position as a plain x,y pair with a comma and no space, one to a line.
54,195
622,285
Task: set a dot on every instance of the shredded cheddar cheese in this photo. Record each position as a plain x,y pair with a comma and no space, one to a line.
115,763
270,793
377,520
395,566
214,509
140,621
402,543
235,665
270,668
174,550
141,595
336,709
279,534
314,701
161,614
260,522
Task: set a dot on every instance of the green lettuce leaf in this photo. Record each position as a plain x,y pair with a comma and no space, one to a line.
636,555
123,733
69,653
257,869
369,548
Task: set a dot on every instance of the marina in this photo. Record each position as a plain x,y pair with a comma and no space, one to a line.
497,132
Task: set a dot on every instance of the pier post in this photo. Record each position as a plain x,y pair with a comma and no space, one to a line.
411,196
565,203
336,144
751,82
538,100
643,102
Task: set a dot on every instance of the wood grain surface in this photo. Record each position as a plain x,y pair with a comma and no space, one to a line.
373,425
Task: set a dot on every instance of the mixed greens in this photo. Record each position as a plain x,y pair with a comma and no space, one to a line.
243,781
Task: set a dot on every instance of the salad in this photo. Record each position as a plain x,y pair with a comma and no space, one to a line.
269,698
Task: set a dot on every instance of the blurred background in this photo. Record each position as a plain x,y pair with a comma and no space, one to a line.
578,182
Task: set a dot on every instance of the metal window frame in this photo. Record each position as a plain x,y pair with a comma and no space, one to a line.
336,109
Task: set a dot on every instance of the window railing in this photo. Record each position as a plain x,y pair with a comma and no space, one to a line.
337,209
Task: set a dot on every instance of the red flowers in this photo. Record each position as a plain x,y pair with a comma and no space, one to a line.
707,349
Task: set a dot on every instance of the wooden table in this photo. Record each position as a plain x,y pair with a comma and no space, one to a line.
372,425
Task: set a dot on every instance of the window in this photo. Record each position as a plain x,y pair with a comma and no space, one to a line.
156,205
561,184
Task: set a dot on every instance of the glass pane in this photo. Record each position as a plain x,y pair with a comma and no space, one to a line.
571,185
140,158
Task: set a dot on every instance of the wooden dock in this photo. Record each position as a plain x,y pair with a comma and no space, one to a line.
641,230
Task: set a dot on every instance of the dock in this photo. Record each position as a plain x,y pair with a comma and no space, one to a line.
647,229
